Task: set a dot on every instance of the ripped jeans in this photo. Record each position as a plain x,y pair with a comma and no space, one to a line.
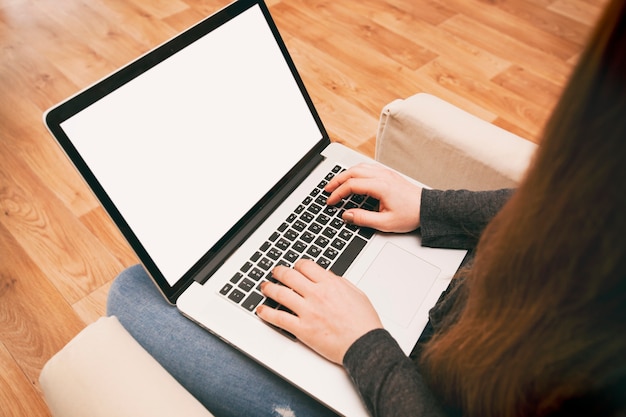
225,381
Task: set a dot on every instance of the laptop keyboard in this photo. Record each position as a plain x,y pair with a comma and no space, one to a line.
312,231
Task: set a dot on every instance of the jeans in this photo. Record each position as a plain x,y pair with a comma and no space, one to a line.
224,380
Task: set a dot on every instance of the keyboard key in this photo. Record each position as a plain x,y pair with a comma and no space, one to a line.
331,253
346,234
236,296
314,208
291,234
357,198
265,264
307,217
283,244
291,256
246,285
307,237
371,204
346,258
256,274
338,244
252,301
366,232
323,262
315,228
270,303
299,225
321,200
314,251
322,241
236,278
337,223
299,246
226,289
274,254
331,210
322,219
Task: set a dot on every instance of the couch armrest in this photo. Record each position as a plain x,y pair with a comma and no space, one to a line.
103,371
445,147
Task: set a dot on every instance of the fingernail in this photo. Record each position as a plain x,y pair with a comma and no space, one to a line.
348,217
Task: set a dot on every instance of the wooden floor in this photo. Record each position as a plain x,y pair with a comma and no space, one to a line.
505,61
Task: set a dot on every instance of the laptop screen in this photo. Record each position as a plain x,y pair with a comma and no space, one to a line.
186,148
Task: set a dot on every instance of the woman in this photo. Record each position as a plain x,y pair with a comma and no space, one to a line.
534,325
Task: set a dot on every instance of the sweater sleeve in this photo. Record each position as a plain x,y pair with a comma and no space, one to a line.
455,219
388,381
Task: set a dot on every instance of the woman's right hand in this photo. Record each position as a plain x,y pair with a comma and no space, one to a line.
400,199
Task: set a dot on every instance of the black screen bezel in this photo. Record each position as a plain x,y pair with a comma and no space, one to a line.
54,117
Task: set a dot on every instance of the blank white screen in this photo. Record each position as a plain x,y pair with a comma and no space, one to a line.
187,148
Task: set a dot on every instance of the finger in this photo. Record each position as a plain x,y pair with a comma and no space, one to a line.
366,218
312,270
278,318
358,171
366,186
292,279
282,295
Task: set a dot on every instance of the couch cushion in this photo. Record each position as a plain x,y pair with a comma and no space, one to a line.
445,147
103,371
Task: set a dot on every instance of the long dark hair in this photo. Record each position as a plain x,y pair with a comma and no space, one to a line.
543,327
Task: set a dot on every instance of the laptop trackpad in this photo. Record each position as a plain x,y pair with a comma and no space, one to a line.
397,283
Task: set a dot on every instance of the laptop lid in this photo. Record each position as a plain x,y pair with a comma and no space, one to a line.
191,145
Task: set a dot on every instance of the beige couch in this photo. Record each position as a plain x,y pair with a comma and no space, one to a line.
104,372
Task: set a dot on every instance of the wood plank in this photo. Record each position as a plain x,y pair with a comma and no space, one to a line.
447,92
35,320
508,48
430,11
46,229
442,42
184,19
539,15
331,37
207,7
519,27
101,225
93,306
491,96
18,397
578,10
530,86
25,137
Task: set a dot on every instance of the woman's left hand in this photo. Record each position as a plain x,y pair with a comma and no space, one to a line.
330,313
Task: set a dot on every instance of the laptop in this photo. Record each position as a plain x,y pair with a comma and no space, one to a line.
208,154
